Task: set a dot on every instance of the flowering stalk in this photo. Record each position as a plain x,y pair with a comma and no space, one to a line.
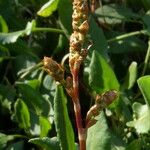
76,57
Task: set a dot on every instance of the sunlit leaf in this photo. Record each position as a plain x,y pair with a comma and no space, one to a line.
6,38
3,25
22,114
144,84
114,14
45,126
142,112
48,8
101,75
98,137
63,125
142,116
4,139
131,76
47,143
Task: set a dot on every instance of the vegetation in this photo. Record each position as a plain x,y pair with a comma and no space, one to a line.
74,82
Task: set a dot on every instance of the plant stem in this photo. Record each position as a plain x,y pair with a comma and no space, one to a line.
38,29
146,58
77,109
120,37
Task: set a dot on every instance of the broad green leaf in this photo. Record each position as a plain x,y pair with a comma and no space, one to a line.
32,98
142,112
134,145
98,136
6,38
3,25
128,45
97,37
62,122
16,146
22,114
131,76
45,126
35,125
35,83
114,14
146,20
4,139
6,98
117,143
48,8
47,143
24,62
142,116
65,16
101,75
5,94
62,42
144,84
20,47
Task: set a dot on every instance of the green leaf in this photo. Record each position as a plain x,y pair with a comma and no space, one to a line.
146,4
48,8
16,146
134,145
4,139
98,136
6,98
117,143
31,97
5,94
6,38
22,114
65,16
4,53
45,126
128,45
24,62
3,25
97,37
114,14
142,116
35,126
62,122
101,75
47,143
146,20
35,84
131,76
144,84
142,112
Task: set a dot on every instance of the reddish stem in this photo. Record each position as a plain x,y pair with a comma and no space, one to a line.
77,109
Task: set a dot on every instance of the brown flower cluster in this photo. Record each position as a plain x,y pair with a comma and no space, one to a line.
80,28
54,69
102,101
